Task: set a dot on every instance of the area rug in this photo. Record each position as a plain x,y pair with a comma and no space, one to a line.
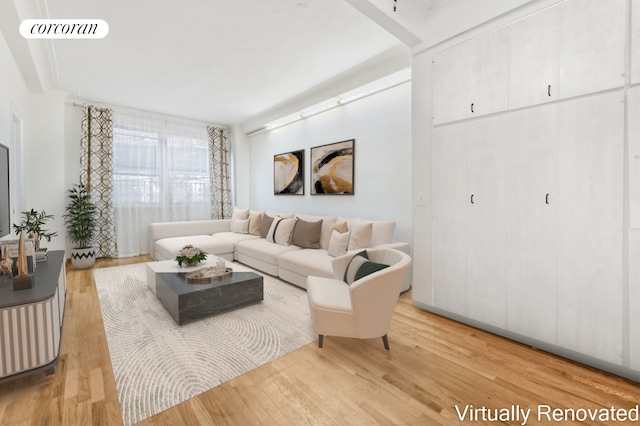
158,364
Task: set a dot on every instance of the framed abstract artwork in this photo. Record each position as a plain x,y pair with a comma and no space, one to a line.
288,173
332,168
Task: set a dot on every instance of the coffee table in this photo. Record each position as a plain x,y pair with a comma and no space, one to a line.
187,302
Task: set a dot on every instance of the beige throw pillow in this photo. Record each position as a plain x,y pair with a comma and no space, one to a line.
254,223
338,243
360,235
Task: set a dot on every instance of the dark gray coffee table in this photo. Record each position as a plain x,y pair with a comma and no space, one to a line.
188,302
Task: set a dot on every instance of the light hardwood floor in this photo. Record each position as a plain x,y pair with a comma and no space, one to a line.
437,364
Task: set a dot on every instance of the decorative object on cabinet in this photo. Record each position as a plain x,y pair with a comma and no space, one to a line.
332,168
23,280
288,173
33,223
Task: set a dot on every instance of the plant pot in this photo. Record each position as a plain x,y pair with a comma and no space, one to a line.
83,258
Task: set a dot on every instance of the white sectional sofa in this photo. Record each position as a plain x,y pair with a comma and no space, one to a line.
289,246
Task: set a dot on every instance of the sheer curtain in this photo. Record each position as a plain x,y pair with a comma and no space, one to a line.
161,173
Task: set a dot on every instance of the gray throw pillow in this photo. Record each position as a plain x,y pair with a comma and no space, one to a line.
307,234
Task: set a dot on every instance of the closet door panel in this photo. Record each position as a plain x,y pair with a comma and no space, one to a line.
488,73
532,168
635,44
449,222
450,89
590,225
486,249
592,44
533,59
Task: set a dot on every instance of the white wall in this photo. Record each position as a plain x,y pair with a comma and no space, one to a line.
381,126
14,101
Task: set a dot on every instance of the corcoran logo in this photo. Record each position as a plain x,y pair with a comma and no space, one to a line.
64,28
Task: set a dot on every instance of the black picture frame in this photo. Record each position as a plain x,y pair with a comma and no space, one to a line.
288,173
333,168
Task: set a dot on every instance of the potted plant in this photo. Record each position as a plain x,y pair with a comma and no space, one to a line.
32,224
81,224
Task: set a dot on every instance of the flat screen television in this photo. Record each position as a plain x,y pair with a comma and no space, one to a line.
5,208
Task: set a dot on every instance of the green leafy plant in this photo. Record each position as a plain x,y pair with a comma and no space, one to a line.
33,223
80,219
190,255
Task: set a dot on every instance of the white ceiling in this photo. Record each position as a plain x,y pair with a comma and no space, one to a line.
219,61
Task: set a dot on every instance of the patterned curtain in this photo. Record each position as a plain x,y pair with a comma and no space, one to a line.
221,200
96,172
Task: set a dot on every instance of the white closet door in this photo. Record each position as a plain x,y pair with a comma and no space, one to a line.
533,59
633,111
635,43
532,204
592,43
486,249
450,224
633,114
488,73
450,91
590,205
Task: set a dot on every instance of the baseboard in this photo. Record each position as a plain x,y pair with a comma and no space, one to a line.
581,358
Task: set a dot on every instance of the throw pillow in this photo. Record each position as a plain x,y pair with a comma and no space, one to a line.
338,243
360,237
265,225
284,231
307,234
271,235
239,214
341,227
360,267
240,226
255,221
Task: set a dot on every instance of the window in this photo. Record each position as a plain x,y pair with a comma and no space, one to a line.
159,162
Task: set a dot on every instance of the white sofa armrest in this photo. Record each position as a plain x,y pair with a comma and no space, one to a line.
160,230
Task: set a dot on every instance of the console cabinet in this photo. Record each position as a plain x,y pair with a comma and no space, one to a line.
31,321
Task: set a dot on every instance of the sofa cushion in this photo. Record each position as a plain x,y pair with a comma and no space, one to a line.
281,230
263,250
382,232
265,225
338,244
327,223
255,219
167,248
307,234
240,226
360,266
233,237
308,262
360,235
237,220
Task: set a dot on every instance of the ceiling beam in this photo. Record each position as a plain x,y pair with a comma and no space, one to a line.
385,21
30,56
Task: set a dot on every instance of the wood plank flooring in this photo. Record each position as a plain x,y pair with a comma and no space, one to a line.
437,364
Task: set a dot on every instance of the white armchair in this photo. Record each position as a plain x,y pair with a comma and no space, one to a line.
364,308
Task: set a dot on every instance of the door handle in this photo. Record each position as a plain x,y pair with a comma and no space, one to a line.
471,198
546,199
471,107
549,90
